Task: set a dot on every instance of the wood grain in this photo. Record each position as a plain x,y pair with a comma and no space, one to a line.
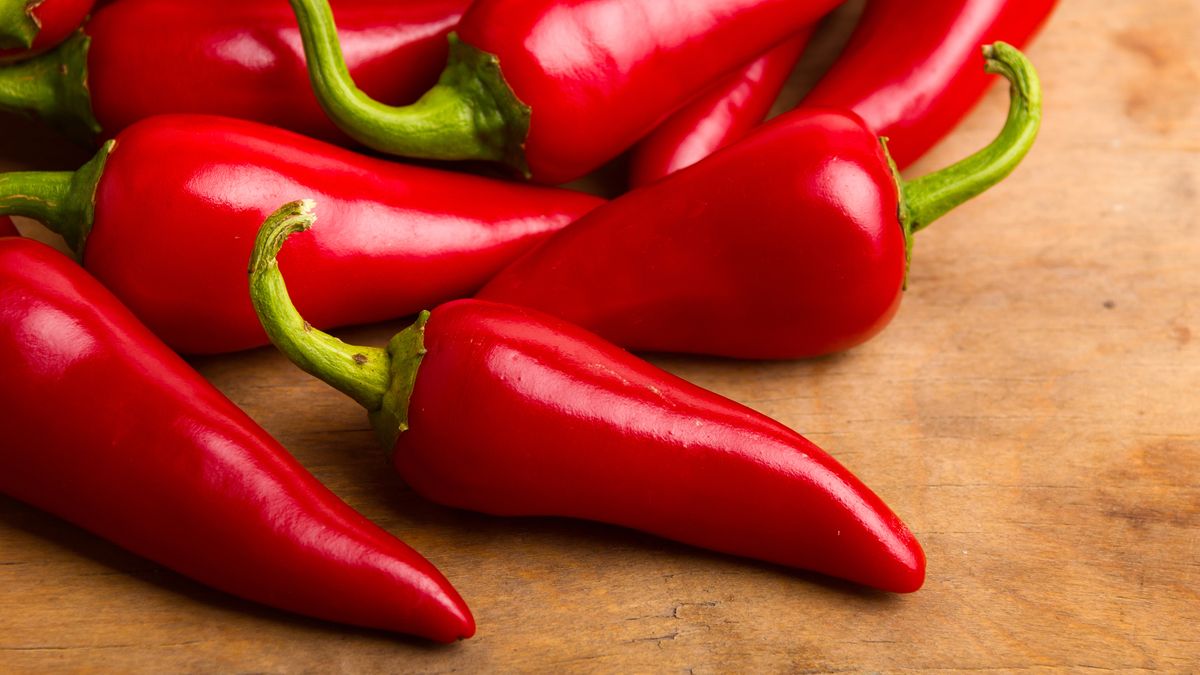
1032,413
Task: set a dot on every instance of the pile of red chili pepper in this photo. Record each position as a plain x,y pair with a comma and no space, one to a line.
512,392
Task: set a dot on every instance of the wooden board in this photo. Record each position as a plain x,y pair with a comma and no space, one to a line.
1032,413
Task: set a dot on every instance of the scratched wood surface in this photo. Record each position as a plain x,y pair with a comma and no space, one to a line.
1032,413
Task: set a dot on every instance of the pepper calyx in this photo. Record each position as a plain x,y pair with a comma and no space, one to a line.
903,214
54,87
501,118
18,25
63,201
82,201
406,349
470,114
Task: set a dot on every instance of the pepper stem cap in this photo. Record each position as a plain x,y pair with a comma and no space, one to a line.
53,87
470,114
63,201
18,26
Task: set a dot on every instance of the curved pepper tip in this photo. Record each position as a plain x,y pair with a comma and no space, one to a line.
888,558
454,622
908,575
904,571
465,623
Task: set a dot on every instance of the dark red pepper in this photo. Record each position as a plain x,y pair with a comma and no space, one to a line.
909,68
555,88
507,411
106,427
721,116
7,229
240,58
30,27
790,243
173,207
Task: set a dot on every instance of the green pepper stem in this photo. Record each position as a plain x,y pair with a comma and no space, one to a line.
930,197
18,26
53,87
470,114
359,372
64,201
380,380
40,195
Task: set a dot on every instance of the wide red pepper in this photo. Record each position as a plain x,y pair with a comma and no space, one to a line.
30,27
909,68
240,58
173,207
721,116
106,427
555,88
510,412
793,242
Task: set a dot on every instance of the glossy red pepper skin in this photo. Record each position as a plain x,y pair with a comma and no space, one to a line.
600,74
53,21
181,198
244,58
910,68
783,245
791,243
724,114
511,412
555,89
516,414
106,427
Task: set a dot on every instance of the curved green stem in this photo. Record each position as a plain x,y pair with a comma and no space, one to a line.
18,26
380,380
359,372
930,197
53,87
470,114
64,201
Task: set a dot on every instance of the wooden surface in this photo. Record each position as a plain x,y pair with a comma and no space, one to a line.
1032,413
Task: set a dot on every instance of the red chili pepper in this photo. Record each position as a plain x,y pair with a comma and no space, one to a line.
7,229
240,58
726,113
30,27
106,427
909,70
503,410
406,236
554,88
793,242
